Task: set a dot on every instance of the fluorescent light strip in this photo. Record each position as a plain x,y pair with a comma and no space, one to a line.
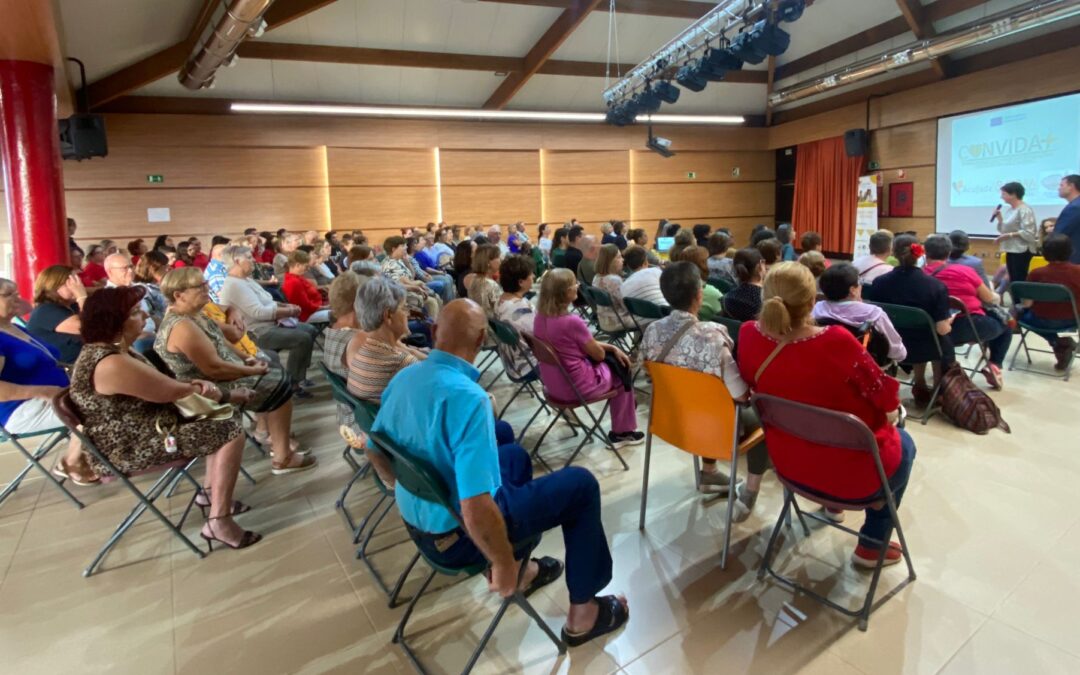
457,113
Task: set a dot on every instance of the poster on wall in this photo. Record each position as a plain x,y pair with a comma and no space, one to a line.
866,215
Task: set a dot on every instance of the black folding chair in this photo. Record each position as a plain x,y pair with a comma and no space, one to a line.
171,473
545,353
838,430
510,343
624,336
733,327
364,413
644,309
425,482
52,438
962,313
912,320
1022,291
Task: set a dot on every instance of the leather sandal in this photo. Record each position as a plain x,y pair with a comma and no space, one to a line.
307,462
548,570
612,616
60,470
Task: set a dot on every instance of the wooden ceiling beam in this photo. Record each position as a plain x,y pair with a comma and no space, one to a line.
550,41
935,11
915,16
283,51
168,61
677,9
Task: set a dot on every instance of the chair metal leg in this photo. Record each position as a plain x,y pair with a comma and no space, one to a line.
399,632
358,531
247,476
527,607
765,565
33,460
401,580
487,635
732,496
645,477
799,513
507,406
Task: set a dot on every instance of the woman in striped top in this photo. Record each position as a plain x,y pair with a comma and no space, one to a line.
384,317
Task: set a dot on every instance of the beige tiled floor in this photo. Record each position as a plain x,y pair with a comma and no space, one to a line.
990,520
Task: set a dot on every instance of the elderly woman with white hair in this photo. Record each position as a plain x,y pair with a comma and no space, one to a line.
274,325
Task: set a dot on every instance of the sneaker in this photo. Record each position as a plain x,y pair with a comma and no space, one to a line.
867,557
744,503
1063,350
994,377
835,515
307,383
625,438
713,482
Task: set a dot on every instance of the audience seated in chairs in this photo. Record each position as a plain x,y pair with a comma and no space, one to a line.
194,348
876,262
784,234
124,401
302,292
771,251
843,304
644,280
743,302
609,268
121,274
964,283
396,267
682,340
1051,317
274,324
589,363
784,354
908,285
815,262
516,279
711,300
30,376
483,287
450,426
441,284
590,248
58,296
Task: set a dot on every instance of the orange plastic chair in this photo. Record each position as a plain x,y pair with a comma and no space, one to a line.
695,412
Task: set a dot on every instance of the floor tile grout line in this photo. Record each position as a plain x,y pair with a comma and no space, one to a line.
22,535
963,644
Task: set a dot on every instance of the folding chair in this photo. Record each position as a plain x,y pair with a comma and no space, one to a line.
721,284
171,473
510,339
837,430
733,327
365,413
962,313
911,319
425,482
52,438
598,297
695,412
1022,291
545,353
643,309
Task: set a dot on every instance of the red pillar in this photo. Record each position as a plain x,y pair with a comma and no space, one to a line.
33,181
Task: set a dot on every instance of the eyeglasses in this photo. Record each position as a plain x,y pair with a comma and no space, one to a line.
122,267
8,294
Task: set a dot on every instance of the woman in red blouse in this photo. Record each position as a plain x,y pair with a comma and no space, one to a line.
828,368
301,291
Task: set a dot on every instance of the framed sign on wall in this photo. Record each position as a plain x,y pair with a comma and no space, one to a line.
901,199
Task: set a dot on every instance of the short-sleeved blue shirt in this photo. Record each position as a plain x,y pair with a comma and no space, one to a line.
28,364
436,411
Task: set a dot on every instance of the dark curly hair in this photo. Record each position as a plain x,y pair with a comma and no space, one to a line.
104,312
513,271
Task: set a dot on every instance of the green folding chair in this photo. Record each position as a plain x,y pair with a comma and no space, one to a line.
962,313
511,345
364,413
598,297
913,319
721,284
733,327
644,309
1022,291
423,481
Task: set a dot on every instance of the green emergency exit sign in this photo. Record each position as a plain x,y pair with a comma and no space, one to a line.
155,178
691,175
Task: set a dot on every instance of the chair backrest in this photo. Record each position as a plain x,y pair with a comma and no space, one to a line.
692,411
66,410
1038,292
733,326
721,284
816,425
364,411
417,476
601,297
911,319
544,352
504,332
646,309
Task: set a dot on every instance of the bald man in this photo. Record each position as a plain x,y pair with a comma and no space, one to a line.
436,411
121,272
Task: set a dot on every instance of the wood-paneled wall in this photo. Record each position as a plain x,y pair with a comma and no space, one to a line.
226,173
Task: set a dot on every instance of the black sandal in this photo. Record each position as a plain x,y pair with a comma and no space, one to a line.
238,506
611,617
249,538
549,570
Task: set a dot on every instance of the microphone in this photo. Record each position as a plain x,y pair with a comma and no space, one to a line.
994,214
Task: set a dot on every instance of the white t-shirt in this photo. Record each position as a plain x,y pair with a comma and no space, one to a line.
870,267
645,284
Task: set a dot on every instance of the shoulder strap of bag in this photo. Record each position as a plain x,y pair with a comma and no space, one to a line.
768,360
872,267
674,340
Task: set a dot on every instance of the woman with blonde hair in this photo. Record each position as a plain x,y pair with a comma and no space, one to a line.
483,282
785,354
588,362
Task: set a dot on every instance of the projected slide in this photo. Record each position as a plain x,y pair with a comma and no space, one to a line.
1034,144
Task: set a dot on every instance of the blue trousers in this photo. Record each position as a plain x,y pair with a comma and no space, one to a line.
443,287
1048,328
568,498
878,521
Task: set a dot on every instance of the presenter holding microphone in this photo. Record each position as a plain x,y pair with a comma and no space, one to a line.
1019,237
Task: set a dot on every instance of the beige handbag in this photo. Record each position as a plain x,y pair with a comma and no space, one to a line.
195,407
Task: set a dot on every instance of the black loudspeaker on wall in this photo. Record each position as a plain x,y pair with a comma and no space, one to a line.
855,142
82,136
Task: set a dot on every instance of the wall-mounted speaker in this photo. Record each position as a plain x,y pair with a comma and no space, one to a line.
856,142
82,137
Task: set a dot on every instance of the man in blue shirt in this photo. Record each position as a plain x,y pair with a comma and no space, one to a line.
1068,223
436,411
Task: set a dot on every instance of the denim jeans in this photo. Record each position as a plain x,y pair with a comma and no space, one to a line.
995,334
568,498
879,521
1047,328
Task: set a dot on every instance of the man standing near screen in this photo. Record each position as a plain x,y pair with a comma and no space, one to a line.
1068,223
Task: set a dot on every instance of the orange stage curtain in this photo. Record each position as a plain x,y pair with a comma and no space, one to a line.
826,186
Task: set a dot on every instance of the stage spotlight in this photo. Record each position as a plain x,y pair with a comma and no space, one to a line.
690,76
763,39
717,62
667,92
773,39
646,101
745,46
621,114
790,10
